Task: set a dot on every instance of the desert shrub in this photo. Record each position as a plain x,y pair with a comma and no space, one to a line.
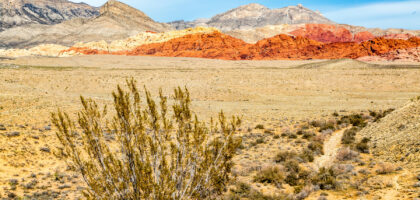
381,114
297,178
283,156
259,141
241,188
292,136
325,179
157,156
276,136
317,147
354,119
357,120
346,153
349,136
292,179
308,135
327,126
244,191
271,175
256,195
307,155
292,166
317,123
385,168
363,145
259,126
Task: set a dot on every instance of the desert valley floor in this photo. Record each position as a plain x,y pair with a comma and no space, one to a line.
276,94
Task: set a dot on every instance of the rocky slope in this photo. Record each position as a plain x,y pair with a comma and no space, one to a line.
256,15
116,21
20,12
396,137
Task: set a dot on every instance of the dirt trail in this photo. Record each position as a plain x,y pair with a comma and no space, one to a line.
331,146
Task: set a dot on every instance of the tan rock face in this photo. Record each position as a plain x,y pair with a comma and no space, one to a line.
41,50
141,39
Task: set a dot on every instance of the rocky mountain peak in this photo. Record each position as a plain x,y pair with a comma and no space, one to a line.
256,15
20,12
117,8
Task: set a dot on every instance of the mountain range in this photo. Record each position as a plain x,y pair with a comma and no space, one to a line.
255,15
251,31
115,20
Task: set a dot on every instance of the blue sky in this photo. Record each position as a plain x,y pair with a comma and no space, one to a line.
372,13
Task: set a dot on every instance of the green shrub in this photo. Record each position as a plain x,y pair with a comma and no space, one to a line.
244,191
325,179
283,156
271,175
158,155
259,126
292,166
307,155
349,136
327,126
317,147
308,135
260,141
363,145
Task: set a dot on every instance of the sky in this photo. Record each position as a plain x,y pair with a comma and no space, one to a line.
370,13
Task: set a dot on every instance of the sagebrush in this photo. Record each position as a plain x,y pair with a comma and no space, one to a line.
158,153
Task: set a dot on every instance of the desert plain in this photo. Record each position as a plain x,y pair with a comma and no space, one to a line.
280,95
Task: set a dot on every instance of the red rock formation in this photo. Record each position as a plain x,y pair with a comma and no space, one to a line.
329,33
363,36
214,45
220,46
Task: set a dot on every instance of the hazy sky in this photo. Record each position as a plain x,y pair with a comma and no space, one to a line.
371,13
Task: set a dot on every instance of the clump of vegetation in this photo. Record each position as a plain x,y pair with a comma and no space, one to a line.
363,145
308,135
354,119
243,190
157,156
381,114
283,156
325,178
344,154
259,126
385,168
271,175
349,136
317,147
307,156
330,125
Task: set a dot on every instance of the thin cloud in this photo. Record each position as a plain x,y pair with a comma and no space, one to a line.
384,15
